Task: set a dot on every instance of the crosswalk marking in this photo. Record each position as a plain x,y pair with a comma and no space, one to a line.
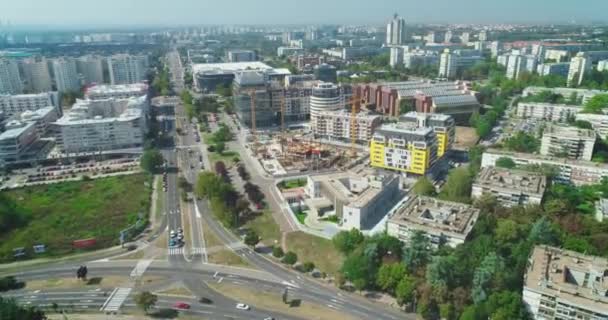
116,299
197,251
140,268
176,251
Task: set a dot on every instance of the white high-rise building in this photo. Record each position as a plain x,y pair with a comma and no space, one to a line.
37,76
568,142
602,65
396,57
90,69
579,65
12,105
483,36
241,55
66,76
465,37
126,69
451,62
10,81
325,97
395,32
517,63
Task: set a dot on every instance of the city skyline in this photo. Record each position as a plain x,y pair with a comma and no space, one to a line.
125,13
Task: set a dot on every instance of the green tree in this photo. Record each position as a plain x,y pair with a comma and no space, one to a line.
424,187
522,142
583,124
145,300
389,276
505,162
483,276
347,241
439,273
11,310
290,258
358,267
277,252
458,186
507,231
418,252
151,160
220,147
406,290
252,238
596,104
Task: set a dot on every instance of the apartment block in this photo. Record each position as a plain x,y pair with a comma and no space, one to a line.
241,56
599,123
37,75
450,63
443,125
583,94
568,142
103,125
12,105
575,172
558,69
403,147
444,222
127,69
10,79
547,111
338,125
90,69
16,141
579,66
65,75
566,285
510,187
120,91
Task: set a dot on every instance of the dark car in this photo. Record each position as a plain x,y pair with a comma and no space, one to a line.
205,300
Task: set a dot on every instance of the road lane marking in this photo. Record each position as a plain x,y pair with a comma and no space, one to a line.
140,268
116,301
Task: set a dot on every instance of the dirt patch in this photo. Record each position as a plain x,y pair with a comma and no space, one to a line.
466,137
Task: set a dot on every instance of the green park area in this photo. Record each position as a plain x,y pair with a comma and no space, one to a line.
57,214
290,184
317,250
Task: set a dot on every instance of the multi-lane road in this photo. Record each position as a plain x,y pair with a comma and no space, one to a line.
188,264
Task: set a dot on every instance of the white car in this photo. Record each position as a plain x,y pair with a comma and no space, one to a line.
242,306
172,233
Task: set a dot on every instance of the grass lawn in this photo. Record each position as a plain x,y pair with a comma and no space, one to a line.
63,212
274,302
290,184
227,157
93,282
318,250
211,239
160,198
265,226
176,291
227,257
301,216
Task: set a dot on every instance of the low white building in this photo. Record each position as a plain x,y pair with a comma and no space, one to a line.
583,94
568,142
42,117
15,141
359,200
547,111
599,122
101,125
601,210
444,222
119,91
510,187
576,172
12,105
563,284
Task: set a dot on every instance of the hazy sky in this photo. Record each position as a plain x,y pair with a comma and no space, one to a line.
129,12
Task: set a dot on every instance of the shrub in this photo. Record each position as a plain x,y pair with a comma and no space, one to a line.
277,252
290,258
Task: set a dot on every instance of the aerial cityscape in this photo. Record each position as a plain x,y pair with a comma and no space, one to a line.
195,160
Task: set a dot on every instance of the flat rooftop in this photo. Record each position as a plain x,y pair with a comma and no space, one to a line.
538,157
569,276
18,128
521,181
229,67
355,190
116,88
434,216
567,132
403,128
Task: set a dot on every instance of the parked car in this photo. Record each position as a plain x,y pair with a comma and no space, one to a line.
205,300
242,306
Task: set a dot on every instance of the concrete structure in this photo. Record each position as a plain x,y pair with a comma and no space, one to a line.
444,222
601,210
583,94
547,111
395,31
599,122
360,201
101,125
43,118
602,65
465,37
451,63
351,53
579,66
16,141
90,69
495,48
452,98
337,125
575,172
306,63
127,69
37,76
241,56
563,284
325,97
207,76
557,69
326,73
289,51
120,91
396,57
248,85
569,142
12,105
510,187
443,125
404,147
10,80
517,64
66,75
416,58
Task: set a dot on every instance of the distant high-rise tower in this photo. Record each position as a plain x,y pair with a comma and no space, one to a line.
395,31
66,77
125,69
579,65
10,81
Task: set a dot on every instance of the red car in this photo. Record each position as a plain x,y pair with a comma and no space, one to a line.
181,305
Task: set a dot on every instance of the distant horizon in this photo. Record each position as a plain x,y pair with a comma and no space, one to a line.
176,13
